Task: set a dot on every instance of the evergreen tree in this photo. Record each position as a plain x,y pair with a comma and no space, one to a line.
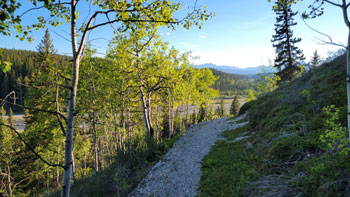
234,109
202,112
315,60
289,56
45,92
45,48
11,122
222,109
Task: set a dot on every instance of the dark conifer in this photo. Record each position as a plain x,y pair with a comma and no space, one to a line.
315,60
234,109
45,48
202,112
289,56
222,109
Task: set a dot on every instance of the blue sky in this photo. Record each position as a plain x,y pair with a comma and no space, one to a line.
239,35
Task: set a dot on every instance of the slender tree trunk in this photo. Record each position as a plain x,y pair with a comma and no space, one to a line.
9,181
348,79
170,116
157,124
68,159
149,116
73,168
122,114
95,143
57,169
187,104
347,23
172,110
142,98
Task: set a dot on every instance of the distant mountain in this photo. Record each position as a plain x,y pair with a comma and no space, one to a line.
236,70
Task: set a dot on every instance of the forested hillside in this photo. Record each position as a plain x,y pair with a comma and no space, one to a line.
295,143
232,84
23,64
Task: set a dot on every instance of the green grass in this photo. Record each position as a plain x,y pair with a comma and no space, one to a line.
228,167
286,149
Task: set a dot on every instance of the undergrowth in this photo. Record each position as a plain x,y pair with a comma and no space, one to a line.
128,169
222,175
297,144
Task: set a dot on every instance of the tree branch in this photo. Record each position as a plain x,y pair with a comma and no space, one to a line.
36,109
31,149
40,7
4,100
345,14
335,4
323,34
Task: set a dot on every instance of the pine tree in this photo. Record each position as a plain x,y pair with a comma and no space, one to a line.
315,60
234,109
45,92
289,56
222,109
202,112
45,48
11,122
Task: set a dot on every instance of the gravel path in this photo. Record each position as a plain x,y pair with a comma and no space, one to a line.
178,172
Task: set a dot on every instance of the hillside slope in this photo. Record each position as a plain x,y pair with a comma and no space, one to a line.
232,84
296,142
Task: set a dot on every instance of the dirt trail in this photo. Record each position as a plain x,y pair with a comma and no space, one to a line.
178,172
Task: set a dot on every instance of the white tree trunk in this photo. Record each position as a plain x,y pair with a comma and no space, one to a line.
68,159
348,80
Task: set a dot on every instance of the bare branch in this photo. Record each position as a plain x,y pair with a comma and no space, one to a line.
322,42
332,3
40,7
31,149
4,101
36,109
134,21
66,39
323,34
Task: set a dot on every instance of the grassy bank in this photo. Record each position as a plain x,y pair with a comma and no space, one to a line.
298,143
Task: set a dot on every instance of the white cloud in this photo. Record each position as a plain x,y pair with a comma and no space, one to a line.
168,33
187,45
203,36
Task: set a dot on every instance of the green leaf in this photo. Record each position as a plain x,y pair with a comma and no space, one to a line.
5,66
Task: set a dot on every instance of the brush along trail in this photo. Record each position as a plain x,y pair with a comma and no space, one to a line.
178,172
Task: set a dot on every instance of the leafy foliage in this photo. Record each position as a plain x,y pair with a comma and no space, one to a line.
335,134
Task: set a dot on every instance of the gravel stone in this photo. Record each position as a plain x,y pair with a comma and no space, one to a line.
178,172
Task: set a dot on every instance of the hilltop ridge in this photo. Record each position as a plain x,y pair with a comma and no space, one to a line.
237,70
